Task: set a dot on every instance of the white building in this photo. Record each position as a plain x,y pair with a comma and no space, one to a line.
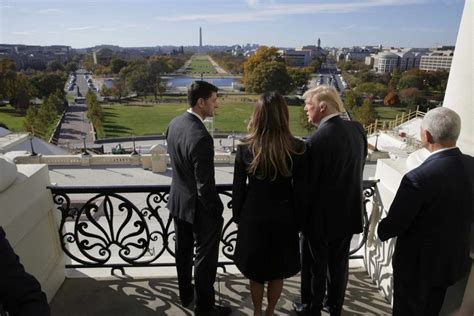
386,62
437,60
401,59
296,58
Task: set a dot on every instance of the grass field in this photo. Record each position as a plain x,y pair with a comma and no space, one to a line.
15,121
231,116
12,119
388,113
201,64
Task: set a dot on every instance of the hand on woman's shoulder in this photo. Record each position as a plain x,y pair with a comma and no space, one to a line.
299,145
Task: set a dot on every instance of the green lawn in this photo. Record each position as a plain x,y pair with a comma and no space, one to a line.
231,116
12,119
388,113
201,64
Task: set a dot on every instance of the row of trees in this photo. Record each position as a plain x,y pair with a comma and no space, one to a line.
95,113
39,118
141,76
233,64
410,89
20,87
267,70
115,64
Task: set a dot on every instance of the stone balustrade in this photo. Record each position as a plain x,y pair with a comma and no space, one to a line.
147,161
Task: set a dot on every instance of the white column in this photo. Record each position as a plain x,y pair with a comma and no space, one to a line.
459,96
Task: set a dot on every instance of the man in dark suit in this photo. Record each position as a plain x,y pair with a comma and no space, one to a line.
431,216
20,292
193,201
337,153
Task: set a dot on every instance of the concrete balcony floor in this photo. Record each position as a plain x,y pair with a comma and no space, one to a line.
159,296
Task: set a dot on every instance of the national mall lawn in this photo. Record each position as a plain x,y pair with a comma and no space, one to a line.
149,118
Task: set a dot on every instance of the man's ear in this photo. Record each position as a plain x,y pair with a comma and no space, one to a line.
322,106
200,102
429,137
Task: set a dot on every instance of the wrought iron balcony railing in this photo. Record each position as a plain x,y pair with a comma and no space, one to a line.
129,226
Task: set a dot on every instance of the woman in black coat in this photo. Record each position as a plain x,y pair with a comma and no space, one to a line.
268,196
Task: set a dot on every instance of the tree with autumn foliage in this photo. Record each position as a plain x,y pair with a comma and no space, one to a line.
266,70
391,99
365,113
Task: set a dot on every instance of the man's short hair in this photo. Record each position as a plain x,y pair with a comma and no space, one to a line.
443,124
200,89
327,94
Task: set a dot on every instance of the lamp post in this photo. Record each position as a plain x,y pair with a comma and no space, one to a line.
377,134
134,152
233,143
84,150
33,153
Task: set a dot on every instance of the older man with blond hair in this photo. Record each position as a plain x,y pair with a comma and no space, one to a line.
337,152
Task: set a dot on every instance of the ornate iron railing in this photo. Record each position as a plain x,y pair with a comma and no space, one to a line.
129,226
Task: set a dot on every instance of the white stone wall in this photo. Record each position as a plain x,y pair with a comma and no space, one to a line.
28,218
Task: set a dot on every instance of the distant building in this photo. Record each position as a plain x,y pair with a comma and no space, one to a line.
386,62
33,56
437,60
237,50
314,51
355,53
296,58
401,59
102,56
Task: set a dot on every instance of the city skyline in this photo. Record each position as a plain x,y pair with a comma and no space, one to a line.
145,23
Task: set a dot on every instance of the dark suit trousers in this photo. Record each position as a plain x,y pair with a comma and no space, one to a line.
206,232
20,292
306,264
410,298
331,264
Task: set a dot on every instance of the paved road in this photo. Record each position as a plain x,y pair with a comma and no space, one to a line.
75,126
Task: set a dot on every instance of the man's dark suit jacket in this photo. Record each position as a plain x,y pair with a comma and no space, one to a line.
20,292
431,216
191,150
337,155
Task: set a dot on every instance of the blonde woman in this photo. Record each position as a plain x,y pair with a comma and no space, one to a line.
268,194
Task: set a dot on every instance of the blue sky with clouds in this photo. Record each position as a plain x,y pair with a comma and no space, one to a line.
283,23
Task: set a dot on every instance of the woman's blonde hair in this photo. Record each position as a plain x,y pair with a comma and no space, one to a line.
270,141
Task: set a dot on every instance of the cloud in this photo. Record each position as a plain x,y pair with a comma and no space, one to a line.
222,17
422,29
25,33
50,11
347,27
254,3
452,2
81,28
108,29
274,11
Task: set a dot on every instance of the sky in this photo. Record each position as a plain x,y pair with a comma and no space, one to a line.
281,23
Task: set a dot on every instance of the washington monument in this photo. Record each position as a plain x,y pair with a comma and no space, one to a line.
200,37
